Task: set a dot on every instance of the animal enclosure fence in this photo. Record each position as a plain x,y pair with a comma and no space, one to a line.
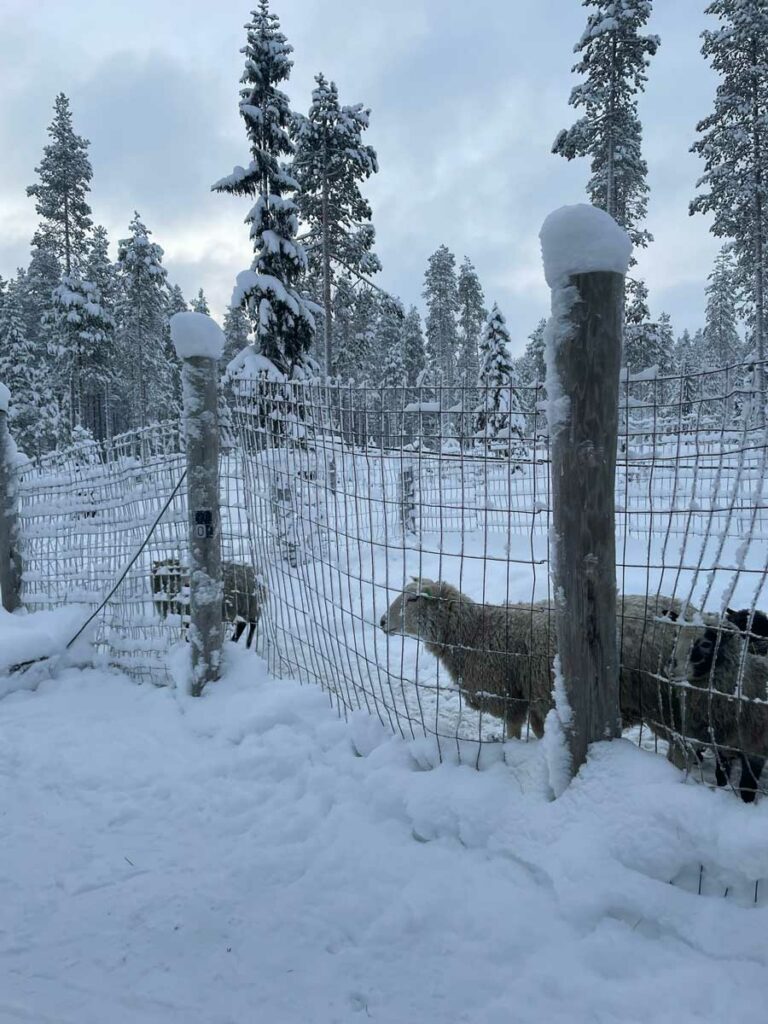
338,496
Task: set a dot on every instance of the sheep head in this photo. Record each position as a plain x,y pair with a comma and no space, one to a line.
416,611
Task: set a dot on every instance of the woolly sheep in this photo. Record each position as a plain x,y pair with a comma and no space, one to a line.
758,631
501,656
726,705
243,598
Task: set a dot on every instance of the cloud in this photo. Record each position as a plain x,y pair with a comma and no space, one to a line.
465,99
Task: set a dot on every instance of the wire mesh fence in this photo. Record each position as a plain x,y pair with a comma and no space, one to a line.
372,519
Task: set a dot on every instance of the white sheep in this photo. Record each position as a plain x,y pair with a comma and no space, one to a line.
501,656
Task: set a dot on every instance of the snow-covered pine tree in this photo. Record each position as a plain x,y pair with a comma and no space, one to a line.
34,414
414,355
83,333
532,365
148,375
283,320
345,359
200,303
441,295
615,56
102,272
733,144
235,329
60,194
499,421
330,162
100,269
722,341
42,276
472,315
393,377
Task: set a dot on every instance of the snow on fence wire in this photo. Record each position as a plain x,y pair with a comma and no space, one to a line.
85,512
352,494
337,495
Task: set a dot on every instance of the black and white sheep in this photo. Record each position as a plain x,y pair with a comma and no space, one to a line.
727,705
756,630
243,599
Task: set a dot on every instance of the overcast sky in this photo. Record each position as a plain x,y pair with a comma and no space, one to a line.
465,98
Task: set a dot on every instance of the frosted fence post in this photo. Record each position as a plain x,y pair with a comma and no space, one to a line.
10,560
585,259
408,500
199,343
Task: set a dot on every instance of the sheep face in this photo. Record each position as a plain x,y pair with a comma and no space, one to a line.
412,612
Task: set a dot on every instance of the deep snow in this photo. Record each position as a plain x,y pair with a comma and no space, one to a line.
249,856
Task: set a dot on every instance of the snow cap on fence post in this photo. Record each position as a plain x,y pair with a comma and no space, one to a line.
199,342
580,239
196,334
586,255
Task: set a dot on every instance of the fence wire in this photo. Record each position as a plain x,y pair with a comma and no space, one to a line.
342,497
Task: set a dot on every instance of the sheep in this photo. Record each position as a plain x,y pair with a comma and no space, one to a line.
726,705
758,630
244,594
501,656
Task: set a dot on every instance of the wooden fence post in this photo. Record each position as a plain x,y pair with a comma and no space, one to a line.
585,260
199,343
10,560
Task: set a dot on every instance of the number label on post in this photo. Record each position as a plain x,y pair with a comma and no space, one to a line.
203,524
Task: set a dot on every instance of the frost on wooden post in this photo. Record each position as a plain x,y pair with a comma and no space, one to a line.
199,342
10,565
558,721
586,255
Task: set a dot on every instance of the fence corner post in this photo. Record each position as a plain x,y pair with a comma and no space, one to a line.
10,558
199,343
586,255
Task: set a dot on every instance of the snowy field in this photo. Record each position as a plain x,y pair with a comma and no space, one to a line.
249,856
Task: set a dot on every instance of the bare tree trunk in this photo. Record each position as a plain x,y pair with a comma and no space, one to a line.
586,366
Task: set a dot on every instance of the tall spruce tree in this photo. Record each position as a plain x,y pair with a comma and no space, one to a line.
100,269
499,421
42,277
83,331
472,315
615,56
330,162
721,336
235,328
146,369
733,144
441,295
393,374
345,358
414,356
200,304
34,413
65,173
283,320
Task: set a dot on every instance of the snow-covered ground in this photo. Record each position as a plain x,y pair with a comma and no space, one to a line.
249,856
